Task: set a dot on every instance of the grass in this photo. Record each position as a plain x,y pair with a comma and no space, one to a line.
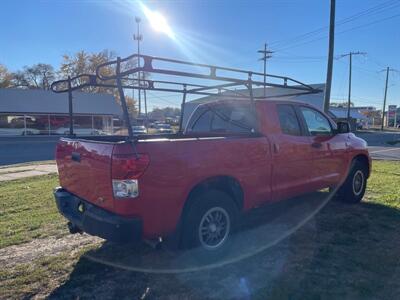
346,251
27,210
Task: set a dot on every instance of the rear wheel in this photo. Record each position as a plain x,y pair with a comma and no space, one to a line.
209,223
353,189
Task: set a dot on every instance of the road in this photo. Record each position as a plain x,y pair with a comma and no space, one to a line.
384,153
15,150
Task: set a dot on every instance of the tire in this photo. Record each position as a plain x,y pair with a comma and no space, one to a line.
353,189
209,224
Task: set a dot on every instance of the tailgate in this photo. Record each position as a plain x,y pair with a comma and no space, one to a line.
84,169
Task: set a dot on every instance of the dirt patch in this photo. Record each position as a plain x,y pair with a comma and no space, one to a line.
20,254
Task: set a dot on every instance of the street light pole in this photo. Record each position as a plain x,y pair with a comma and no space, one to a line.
138,37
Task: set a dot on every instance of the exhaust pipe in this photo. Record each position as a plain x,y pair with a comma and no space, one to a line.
73,228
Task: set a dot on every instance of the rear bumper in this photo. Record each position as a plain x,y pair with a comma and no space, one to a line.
97,221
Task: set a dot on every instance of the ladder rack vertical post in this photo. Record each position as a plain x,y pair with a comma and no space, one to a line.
253,103
182,108
70,110
122,99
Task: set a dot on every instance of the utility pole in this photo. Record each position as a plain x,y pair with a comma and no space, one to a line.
388,69
350,55
329,70
265,55
138,37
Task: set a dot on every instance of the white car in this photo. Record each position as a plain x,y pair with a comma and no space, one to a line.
139,130
164,128
18,131
79,131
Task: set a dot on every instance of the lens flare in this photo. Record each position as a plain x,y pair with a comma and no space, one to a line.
157,21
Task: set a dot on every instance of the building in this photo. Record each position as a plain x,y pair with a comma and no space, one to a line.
39,112
358,116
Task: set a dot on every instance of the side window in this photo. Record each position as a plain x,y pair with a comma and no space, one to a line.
288,120
316,122
202,124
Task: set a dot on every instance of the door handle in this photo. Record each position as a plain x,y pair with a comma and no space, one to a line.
316,145
75,156
276,148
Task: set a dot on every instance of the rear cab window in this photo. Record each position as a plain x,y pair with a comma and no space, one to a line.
223,118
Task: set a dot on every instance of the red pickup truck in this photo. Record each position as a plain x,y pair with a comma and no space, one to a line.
232,156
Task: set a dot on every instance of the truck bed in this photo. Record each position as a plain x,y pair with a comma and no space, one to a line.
176,163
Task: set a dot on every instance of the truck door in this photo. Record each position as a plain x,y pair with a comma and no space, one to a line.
328,149
292,155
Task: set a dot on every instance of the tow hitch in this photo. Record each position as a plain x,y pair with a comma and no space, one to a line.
73,228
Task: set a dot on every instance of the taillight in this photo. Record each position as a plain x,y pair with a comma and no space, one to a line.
128,166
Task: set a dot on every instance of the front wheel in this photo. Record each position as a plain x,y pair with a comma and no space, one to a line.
209,223
353,189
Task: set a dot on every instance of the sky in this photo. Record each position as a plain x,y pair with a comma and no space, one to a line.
226,33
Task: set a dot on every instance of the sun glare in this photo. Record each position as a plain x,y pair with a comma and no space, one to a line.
158,21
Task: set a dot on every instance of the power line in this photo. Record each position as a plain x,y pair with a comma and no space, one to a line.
329,69
266,54
370,11
343,31
350,55
388,70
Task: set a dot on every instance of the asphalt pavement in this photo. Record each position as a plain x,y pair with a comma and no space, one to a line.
14,150
384,153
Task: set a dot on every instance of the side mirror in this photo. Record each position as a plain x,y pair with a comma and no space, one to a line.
343,127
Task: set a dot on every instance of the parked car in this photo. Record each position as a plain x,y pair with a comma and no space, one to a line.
196,185
79,131
164,128
139,130
18,131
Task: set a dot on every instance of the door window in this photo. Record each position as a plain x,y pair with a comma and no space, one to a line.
316,122
288,120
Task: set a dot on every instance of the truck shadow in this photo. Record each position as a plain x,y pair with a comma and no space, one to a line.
344,251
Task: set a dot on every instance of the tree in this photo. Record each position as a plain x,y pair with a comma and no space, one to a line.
39,76
5,77
341,104
86,63
166,112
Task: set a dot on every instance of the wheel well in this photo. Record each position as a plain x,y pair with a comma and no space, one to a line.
363,159
225,184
